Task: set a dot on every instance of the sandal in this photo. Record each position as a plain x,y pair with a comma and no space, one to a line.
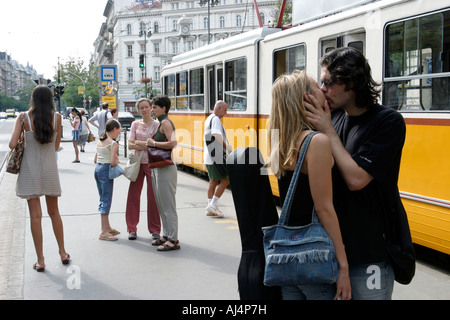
38,268
169,245
107,237
114,232
66,260
159,241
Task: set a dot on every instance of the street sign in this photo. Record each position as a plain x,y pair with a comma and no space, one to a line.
112,101
108,73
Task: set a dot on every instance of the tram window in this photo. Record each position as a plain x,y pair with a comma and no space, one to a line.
418,52
236,84
359,45
196,89
290,59
181,90
169,88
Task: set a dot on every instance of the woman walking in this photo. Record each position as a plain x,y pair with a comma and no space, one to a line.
38,174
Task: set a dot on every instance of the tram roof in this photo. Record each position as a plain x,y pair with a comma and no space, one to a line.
226,44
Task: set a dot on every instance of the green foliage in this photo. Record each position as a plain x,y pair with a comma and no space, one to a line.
72,72
287,17
22,103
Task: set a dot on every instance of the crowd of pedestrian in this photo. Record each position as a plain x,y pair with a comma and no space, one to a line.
349,175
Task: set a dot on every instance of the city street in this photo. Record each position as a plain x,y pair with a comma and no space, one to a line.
204,269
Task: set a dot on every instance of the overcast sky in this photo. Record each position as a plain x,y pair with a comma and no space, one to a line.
39,31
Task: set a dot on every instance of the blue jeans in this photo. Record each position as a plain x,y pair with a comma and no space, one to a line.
104,186
325,291
373,281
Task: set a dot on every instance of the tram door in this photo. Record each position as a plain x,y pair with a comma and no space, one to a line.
215,85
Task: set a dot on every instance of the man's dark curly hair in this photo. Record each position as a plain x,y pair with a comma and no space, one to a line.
348,66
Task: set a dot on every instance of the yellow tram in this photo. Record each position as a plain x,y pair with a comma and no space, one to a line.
407,43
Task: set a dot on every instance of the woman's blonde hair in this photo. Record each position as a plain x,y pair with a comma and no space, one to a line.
142,100
287,120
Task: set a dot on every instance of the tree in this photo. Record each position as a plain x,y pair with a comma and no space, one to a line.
287,17
73,74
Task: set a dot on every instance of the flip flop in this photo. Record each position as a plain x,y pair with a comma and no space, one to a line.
114,232
38,268
108,237
66,260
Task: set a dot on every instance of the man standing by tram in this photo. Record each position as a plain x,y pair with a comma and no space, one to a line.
216,145
367,141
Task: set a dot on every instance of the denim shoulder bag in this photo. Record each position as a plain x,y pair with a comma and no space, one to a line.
298,255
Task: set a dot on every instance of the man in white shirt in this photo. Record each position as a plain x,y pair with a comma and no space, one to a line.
102,117
216,144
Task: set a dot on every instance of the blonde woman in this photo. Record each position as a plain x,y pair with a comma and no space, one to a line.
315,185
140,130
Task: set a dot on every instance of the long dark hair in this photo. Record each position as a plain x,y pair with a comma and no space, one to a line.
78,113
348,65
42,109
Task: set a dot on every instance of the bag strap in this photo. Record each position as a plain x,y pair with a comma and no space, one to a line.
285,211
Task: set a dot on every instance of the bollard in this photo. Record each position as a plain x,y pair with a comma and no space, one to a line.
125,144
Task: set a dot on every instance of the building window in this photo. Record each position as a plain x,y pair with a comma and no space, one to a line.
174,25
175,47
143,47
157,72
156,48
190,45
156,27
130,75
142,27
205,23
261,15
222,21
130,50
238,20
129,29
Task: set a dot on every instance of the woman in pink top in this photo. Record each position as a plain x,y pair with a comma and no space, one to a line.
140,131
76,132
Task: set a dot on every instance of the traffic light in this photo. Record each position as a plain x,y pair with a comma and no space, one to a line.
141,61
56,93
61,90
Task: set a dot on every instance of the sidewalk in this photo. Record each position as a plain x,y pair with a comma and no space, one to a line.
205,268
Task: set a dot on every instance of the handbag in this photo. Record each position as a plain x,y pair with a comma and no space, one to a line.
91,137
115,172
158,158
298,255
131,170
218,161
15,155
